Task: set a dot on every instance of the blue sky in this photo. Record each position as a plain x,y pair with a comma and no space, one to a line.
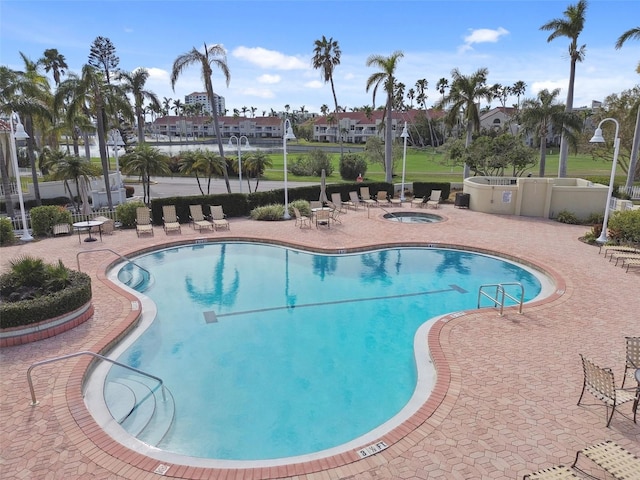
270,44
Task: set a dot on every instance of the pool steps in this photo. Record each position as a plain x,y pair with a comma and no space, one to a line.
143,410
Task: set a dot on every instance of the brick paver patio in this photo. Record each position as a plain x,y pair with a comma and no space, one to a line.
507,386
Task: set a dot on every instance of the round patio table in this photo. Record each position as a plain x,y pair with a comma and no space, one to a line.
88,225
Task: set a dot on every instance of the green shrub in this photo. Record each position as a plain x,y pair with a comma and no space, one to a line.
268,212
312,164
7,236
567,217
126,213
624,227
352,165
595,219
302,205
33,291
44,218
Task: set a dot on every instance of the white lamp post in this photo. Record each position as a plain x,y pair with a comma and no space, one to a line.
598,138
404,136
239,144
18,133
115,140
287,136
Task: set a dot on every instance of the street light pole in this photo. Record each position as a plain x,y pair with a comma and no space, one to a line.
598,138
115,140
404,136
18,133
239,144
288,135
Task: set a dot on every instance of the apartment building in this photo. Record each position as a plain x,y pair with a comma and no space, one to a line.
203,99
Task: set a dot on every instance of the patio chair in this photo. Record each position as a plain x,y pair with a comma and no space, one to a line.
383,198
336,199
197,218
632,361
170,219
143,221
354,201
323,217
365,197
219,218
335,212
419,202
107,227
554,473
611,457
313,204
301,219
599,382
434,198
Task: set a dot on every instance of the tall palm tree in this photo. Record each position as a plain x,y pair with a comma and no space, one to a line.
386,78
133,83
89,93
539,115
326,57
465,91
53,61
422,85
145,161
518,89
191,163
633,33
570,26
255,165
214,55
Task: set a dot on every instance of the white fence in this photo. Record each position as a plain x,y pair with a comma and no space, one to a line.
75,217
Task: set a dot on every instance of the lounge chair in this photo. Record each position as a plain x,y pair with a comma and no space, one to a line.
301,219
382,198
599,382
434,199
611,457
170,219
632,360
610,249
198,221
630,262
365,197
218,217
419,202
624,256
354,201
336,199
143,221
554,473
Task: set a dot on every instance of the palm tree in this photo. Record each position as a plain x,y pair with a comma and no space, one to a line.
539,115
67,167
255,165
213,55
464,93
326,57
90,94
570,26
518,89
145,161
422,85
53,61
442,86
190,162
385,77
634,33
133,83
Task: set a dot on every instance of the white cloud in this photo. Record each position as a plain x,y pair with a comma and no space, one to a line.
270,79
481,35
269,58
314,84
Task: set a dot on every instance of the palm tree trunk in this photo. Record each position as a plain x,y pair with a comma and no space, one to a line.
388,147
140,117
32,158
335,101
5,181
633,160
103,156
543,154
216,126
564,142
466,169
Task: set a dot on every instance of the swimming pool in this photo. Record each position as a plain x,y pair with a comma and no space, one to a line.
281,353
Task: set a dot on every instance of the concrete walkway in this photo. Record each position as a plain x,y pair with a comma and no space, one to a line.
505,402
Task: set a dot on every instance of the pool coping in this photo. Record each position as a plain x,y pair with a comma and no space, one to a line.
104,450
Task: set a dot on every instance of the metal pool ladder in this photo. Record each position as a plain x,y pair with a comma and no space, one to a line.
500,294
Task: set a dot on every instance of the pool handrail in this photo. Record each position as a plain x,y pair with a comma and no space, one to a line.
34,402
112,251
500,291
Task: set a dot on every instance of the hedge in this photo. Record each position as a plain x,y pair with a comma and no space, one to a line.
27,312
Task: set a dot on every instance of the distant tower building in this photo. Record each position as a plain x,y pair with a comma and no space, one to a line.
203,99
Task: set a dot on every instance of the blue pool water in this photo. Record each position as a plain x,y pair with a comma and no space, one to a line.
271,352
